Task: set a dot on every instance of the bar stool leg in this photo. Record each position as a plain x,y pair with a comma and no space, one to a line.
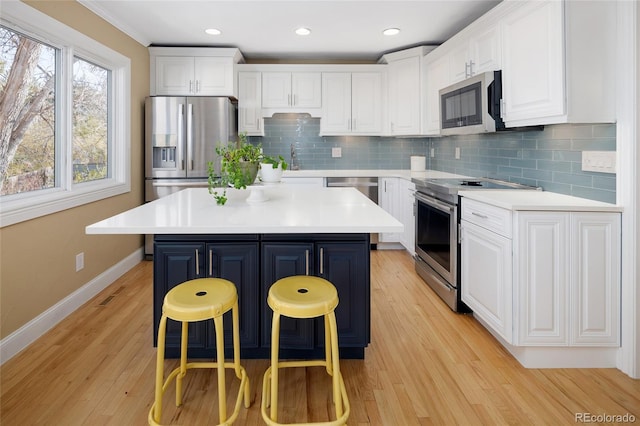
236,353
327,346
162,329
222,393
337,392
184,339
275,342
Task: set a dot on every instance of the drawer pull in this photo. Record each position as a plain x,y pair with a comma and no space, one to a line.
480,215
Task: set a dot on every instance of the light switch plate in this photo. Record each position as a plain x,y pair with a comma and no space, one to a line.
336,152
457,152
599,161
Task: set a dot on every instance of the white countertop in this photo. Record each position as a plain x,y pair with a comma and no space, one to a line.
288,209
516,199
405,174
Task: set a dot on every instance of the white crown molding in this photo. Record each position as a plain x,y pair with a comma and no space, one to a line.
102,13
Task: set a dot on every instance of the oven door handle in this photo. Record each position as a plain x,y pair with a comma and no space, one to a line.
447,208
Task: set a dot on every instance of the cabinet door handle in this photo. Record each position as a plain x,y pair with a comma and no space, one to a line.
190,86
197,86
471,64
306,260
295,100
480,215
210,263
197,263
321,260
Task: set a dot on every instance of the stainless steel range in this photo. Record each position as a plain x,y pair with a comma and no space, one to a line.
437,215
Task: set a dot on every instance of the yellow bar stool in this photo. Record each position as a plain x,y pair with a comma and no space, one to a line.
304,297
198,300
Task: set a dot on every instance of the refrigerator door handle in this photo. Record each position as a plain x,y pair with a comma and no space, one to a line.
190,135
180,160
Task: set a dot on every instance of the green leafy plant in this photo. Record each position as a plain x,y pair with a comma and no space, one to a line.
277,162
240,163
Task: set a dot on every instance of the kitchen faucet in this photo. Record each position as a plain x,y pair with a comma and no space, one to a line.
294,159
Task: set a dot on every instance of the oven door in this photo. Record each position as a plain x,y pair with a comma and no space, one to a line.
437,236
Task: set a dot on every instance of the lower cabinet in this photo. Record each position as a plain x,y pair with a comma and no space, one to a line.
554,281
235,261
343,264
254,263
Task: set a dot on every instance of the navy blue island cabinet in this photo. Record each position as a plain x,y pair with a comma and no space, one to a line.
253,262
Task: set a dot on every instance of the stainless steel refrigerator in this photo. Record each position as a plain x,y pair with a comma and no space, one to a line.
181,136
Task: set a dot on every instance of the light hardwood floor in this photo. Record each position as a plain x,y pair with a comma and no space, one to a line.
425,365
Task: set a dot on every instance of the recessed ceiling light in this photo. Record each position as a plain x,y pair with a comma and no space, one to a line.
213,31
303,31
391,31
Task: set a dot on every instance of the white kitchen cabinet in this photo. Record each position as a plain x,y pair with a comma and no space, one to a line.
568,275
250,119
352,103
291,89
487,264
487,279
477,52
564,287
406,90
389,200
595,280
557,63
404,96
193,72
407,215
437,77
542,276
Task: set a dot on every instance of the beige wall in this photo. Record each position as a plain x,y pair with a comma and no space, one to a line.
37,257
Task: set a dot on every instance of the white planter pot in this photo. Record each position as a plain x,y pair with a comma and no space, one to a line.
270,175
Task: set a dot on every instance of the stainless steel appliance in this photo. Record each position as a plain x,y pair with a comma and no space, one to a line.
437,216
472,105
367,185
181,136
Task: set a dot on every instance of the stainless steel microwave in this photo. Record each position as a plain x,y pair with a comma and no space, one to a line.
472,105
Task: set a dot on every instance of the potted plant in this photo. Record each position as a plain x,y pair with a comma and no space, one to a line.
240,163
271,169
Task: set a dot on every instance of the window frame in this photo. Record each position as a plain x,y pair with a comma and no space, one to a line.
21,207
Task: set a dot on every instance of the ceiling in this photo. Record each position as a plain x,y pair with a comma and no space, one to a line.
263,30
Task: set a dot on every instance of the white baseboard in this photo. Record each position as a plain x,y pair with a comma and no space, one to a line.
28,333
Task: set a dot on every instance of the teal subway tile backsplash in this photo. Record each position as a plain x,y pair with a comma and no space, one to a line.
550,158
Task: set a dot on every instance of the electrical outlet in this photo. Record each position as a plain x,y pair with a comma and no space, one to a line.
599,161
336,152
433,152
79,261
457,152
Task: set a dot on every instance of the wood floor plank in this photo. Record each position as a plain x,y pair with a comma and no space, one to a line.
425,366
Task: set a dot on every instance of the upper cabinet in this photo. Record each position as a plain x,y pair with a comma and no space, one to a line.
558,62
436,77
193,71
406,90
351,103
250,119
477,52
296,90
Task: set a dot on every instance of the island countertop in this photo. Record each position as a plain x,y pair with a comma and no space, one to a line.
287,210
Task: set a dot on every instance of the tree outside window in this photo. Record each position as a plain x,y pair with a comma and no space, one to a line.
28,132
27,114
90,121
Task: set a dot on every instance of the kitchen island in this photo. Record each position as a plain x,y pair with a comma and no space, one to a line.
315,231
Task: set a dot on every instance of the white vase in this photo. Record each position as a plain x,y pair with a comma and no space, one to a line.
270,175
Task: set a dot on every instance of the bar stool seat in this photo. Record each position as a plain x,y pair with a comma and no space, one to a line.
304,297
198,300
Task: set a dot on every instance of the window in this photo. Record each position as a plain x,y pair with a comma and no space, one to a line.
90,121
64,117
